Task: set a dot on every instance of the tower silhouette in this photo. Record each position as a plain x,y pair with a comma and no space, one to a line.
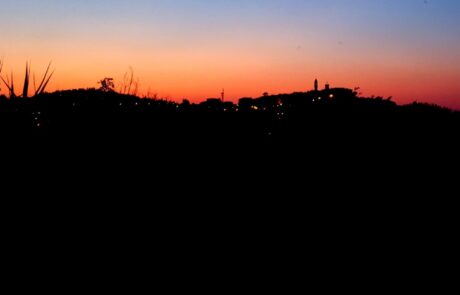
327,87
222,95
316,84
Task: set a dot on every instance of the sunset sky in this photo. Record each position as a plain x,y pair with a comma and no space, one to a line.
408,49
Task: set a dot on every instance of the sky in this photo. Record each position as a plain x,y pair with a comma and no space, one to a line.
192,49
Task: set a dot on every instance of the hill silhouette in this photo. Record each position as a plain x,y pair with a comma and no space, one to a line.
326,168
319,132
87,113
333,127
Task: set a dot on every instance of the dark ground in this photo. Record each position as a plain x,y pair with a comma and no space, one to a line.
335,188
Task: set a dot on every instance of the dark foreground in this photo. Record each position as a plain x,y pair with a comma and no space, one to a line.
338,194
297,139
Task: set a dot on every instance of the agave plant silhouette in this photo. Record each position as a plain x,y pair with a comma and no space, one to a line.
9,82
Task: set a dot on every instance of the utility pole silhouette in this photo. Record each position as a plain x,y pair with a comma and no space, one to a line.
222,95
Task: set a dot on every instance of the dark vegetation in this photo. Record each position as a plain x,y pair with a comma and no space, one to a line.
311,118
329,133
324,175
309,145
314,130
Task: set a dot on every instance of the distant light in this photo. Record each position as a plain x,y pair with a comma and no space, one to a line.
136,104
319,98
331,95
255,108
38,124
120,104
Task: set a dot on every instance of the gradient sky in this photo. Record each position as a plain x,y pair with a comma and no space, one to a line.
409,49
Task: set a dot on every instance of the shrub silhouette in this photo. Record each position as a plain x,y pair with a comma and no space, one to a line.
107,85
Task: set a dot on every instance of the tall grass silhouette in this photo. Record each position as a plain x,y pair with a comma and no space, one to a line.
9,82
130,85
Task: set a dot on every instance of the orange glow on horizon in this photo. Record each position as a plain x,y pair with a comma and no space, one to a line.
192,49
200,73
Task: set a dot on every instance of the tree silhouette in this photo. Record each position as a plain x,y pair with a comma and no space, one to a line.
107,85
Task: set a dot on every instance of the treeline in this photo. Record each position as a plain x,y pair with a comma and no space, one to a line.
336,111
